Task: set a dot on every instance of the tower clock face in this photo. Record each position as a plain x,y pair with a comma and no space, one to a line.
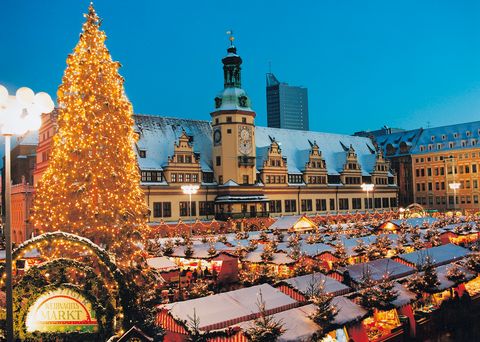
217,136
245,140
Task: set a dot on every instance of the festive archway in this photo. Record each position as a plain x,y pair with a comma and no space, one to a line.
120,293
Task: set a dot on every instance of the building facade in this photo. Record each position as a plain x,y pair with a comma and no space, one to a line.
436,167
22,168
287,106
243,170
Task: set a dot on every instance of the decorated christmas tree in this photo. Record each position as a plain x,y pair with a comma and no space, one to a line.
341,254
264,328
456,274
325,311
92,184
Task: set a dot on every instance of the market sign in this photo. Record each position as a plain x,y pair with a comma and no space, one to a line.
61,310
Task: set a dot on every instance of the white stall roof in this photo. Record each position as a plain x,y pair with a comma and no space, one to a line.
303,283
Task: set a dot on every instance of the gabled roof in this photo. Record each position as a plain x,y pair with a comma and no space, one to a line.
158,134
297,222
303,283
238,305
378,268
440,255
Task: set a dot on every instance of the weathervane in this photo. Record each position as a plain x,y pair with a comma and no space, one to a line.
231,38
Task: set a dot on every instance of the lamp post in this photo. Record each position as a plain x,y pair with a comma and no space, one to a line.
454,186
18,115
190,189
367,188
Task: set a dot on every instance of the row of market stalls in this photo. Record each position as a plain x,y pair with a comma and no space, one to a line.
226,316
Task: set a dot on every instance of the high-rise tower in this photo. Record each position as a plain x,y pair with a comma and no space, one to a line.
287,106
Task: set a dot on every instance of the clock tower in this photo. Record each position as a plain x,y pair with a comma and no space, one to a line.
233,128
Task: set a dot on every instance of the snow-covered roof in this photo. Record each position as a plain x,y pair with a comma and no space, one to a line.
278,258
162,264
200,250
442,276
440,255
378,268
158,134
303,283
311,250
428,140
405,296
290,221
300,327
296,146
31,253
418,221
217,310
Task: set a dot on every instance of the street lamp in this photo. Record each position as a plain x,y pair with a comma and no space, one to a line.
18,114
454,186
190,189
367,188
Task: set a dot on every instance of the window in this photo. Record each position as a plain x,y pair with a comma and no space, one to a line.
188,159
142,154
184,209
180,159
229,131
207,177
332,204
162,209
218,160
207,208
429,172
245,179
343,204
393,202
173,178
187,178
378,202
180,177
152,176
321,204
474,168
244,120
296,179
306,205
276,206
220,179
290,206
356,203
229,119
194,177
385,202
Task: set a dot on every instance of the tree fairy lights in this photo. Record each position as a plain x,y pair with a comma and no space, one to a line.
92,184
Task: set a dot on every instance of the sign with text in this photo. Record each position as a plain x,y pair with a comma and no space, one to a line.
61,310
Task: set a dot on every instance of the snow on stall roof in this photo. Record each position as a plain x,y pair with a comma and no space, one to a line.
311,250
303,283
200,250
418,221
163,264
300,327
440,255
442,276
278,258
378,269
405,296
32,253
230,305
287,222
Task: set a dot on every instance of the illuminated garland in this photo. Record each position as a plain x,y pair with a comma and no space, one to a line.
25,296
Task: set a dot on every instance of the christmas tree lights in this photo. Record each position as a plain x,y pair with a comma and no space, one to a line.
92,184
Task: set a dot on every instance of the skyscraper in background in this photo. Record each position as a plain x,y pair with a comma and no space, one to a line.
287,106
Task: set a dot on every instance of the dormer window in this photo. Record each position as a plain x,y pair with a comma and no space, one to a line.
229,119
444,137
422,148
468,133
142,154
455,135
432,138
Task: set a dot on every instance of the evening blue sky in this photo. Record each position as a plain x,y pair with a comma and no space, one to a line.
366,63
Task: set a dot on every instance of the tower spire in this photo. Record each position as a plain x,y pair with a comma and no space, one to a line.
232,76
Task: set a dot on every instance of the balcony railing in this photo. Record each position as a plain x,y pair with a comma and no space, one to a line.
226,215
246,161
